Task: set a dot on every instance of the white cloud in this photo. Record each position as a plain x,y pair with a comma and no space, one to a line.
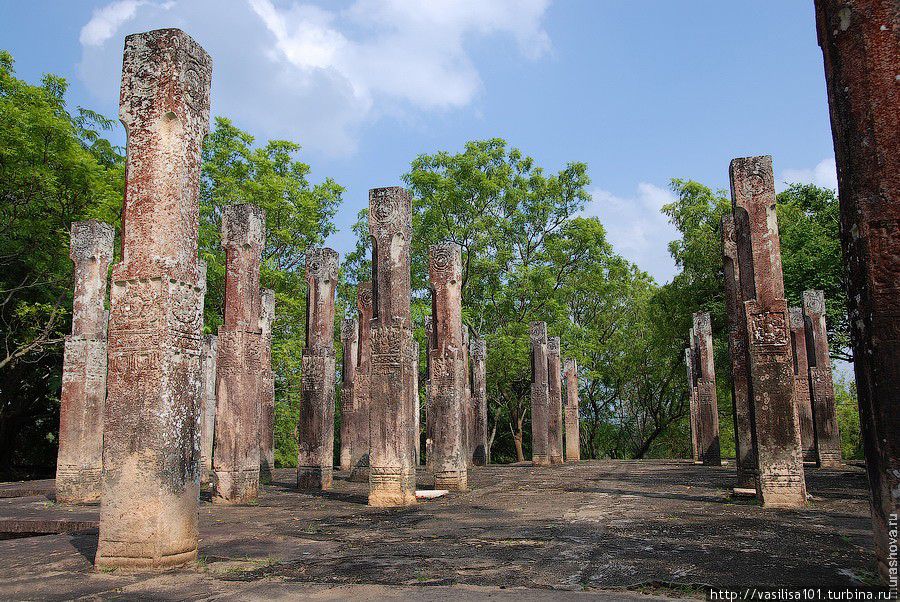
318,75
823,174
636,228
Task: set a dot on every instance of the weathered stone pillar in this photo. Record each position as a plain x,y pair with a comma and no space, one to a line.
693,413
208,353
540,395
741,393
780,480
416,429
802,397
707,402
267,388
315,460
80,457
350,345
821,387
392,475
573,421
239,365
861,47
555,405
448,368
359,438
467,414
481,455
151,435
429,416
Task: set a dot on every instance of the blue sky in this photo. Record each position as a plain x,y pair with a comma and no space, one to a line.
642,91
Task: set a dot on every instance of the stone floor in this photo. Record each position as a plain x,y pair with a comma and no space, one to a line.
619,530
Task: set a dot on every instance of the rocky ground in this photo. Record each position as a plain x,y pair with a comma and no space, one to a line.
621,530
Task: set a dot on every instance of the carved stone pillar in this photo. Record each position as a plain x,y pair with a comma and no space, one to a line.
481,456
802,397
693,415
468,411
707,403
860,43
573,421
208,353
780,479
350,345
267,388
429,416
151,437
392,475
239,365
359,438
741,392
80,458
821,387
540,395
554,404
316,449
416,429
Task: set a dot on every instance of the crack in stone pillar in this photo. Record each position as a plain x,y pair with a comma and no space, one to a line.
360,439
554,404
540,395
267,388
481,455
821,386
573,420
707,402
802,398
350,347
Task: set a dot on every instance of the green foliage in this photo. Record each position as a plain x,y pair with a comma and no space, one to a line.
847,408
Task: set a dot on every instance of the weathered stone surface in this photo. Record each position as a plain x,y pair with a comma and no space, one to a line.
448,368
821,387
540,395
239,362
693,414
350,345
802,398
707,403
267,387
80,458
429,419
554,405
208,353
860,43
151,438
468,411
417,427
741,392
392,474
359,440
481,454
315,451
572,418
780,478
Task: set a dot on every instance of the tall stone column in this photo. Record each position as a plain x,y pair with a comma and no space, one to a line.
741,394
315,460
802,397
780,479
573,421
350,345
417,427
540,396
554,405
707,402
429,416
821,387
481,455
392,475
208,352
448,368
693,414
267,388
151,434
80,458
359,438
239,365
861,48
467,414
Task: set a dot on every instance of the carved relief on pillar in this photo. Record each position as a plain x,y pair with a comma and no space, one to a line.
540,395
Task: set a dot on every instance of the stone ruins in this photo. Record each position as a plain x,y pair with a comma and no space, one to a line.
83,396
359,421
802,399
693,414
267,387
350,347
208,353
481,455
704,374
540,395
554,404
827,437
572,418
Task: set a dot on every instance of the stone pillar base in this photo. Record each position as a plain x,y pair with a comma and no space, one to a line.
556,459
390,488
781,489
135,564
541,460
452,480
236,487
314,477
829,460
77,484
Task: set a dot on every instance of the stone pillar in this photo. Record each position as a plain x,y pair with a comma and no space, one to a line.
707,402
267,388
417,427
468,412
481,455
429,416
573,421
315,460
693,414
802,397
861,48
448,368
741,394
392,475
80,458
821,387
239,365
208,353
151,435
540,395
350,345
780,479
359,437
554,404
